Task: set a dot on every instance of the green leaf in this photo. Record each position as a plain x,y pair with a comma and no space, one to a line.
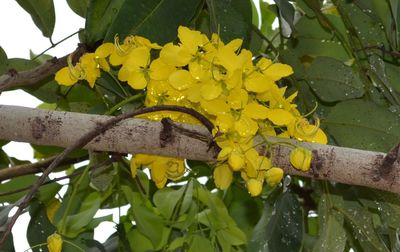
150,224
39,227
200,244
79,222
233,235
281,226
138,242
362,226
42,13
4,212
79,6
231,19
3,61
19,182
166,200
157,20
332,235
333,81
286,10
100,15
363,125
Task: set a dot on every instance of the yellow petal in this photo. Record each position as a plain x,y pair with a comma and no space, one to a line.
254,186
137,58
236,160
54,243
215,107
280,116
104,50
245,126
180,79
190,39
137,80
223,176
174,55
255,111
300,158
224,122
277,71
274,176
63,77
211,90
258,83
238,98
159,70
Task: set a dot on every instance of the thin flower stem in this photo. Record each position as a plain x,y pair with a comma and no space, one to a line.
118,83
124,102
36,246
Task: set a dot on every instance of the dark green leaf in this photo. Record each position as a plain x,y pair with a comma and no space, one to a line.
100,16
362,227
267,18
363,125
333,81
42,13
286,10
79,6
231,19
3,61
332,235
281,226
154,19
39,227
4,212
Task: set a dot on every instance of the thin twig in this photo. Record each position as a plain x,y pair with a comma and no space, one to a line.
86,138
13,78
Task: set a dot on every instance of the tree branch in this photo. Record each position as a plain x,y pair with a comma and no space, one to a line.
45,127
25,169
100,128
13,78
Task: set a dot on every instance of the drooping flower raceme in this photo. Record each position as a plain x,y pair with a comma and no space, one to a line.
220,80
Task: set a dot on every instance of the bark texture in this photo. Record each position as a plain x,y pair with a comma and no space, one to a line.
338,164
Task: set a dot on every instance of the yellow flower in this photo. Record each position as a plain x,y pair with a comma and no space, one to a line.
300,158
161,168
233,151
88,68
254,186
135,68
274,176
302,130
222,176
54,243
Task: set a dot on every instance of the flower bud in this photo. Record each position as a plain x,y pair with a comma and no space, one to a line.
54,243
300,158
223,176
273,176
254,186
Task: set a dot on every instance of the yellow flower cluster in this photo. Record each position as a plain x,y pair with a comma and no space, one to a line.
219,80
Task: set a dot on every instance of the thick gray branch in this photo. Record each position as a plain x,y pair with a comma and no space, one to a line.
344,165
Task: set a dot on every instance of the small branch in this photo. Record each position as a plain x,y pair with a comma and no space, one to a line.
86,138
13,78
25,169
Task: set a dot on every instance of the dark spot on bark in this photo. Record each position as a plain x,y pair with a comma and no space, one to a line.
386,165
38,128
166,134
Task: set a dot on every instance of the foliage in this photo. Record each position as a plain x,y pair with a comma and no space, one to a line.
344,56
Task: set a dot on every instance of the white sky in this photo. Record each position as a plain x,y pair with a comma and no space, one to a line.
18,35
